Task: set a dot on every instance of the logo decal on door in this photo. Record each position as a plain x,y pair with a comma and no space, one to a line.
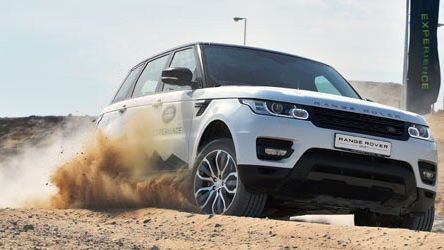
169,113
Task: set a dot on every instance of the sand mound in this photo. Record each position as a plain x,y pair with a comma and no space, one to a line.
387,93
162,229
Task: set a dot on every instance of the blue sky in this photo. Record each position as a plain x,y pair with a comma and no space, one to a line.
61,57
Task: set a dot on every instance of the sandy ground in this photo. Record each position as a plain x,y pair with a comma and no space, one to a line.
163,229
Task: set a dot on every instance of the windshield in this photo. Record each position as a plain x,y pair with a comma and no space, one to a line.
228,65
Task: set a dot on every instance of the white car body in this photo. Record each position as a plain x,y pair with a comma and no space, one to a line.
177,111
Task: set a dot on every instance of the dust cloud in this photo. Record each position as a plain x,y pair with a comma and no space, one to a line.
119,171
98,171
24,175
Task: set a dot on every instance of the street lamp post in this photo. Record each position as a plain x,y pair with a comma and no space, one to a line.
237,19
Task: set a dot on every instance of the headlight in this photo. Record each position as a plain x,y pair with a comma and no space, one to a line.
420,132
276,108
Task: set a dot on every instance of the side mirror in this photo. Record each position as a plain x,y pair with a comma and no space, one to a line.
177,76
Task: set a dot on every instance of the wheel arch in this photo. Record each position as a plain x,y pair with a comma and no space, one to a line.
214,129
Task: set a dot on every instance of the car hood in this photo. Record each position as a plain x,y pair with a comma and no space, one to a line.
310,98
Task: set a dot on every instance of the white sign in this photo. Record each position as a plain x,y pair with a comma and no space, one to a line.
363,144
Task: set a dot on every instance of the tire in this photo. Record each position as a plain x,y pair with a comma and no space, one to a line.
217,187
421,222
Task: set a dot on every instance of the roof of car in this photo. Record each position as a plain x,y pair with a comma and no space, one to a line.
226,45
256,48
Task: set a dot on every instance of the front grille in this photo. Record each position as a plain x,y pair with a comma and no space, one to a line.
358,123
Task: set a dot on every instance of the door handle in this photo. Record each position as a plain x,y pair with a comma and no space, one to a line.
122,109
158,103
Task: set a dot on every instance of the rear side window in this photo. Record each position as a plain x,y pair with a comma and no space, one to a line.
150,77
184,59
122,94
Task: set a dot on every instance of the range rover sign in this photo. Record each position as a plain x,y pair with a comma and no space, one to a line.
362,144
353,109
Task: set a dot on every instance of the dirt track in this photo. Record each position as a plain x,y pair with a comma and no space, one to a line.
161,229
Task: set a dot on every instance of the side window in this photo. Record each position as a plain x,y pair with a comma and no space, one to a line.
122,93
323,85
185,59
150,77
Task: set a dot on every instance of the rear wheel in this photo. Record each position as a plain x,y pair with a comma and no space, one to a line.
419,222
218,188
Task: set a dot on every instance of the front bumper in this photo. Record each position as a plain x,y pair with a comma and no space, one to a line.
247,127
335,180
304,177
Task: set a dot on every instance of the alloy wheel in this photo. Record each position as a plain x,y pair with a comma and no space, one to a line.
216,182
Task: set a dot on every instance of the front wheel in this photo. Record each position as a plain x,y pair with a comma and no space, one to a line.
419,222
218,189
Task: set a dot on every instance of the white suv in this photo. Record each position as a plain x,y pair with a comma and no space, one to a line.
269,133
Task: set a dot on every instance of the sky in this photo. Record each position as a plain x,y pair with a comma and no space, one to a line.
69,57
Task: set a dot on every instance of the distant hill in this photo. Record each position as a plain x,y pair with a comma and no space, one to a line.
387,93
18,133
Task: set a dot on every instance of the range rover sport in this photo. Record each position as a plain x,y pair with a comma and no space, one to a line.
266,132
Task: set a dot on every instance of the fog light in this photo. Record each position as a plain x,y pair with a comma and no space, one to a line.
275,152
273,149
428,175
427,171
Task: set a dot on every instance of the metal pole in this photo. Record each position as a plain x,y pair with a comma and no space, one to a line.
237,19
406,51
439,26
245,31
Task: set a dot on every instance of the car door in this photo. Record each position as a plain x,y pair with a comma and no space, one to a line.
114,117
176,110
144,96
